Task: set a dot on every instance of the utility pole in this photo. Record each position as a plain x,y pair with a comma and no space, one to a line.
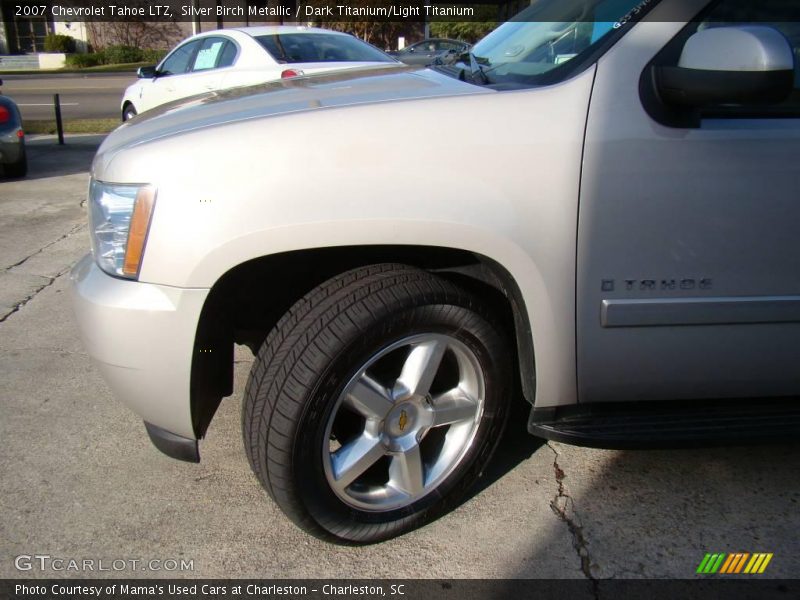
196,18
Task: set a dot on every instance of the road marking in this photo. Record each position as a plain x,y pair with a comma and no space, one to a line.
52,88
50,104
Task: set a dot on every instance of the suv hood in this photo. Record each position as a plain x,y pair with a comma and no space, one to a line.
345,88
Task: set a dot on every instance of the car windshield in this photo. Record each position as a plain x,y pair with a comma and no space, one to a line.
549,34
319,47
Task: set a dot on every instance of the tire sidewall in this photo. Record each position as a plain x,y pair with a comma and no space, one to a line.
20,167
480,336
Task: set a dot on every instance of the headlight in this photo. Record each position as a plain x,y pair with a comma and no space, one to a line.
119,217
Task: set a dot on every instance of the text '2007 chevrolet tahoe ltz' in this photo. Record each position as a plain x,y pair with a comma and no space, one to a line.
615,240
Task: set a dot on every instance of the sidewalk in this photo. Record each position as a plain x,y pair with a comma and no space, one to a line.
43,218
46,159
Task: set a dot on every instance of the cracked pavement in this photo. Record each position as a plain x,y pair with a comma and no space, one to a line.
563,506
81,480
42,221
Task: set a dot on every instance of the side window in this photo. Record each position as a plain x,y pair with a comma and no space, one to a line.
211,54
423,47
178,62
228,56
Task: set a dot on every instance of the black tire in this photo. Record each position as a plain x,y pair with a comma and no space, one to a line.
19,168
310,356
129,112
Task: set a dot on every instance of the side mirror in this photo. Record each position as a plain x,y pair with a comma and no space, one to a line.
743,65
147,72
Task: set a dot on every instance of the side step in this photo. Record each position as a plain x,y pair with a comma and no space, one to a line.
683,424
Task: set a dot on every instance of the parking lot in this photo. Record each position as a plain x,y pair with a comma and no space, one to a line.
81,480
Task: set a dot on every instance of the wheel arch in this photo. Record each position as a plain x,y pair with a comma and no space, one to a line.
234,311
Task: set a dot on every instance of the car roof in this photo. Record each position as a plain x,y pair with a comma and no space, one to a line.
248,33
278,29
440,40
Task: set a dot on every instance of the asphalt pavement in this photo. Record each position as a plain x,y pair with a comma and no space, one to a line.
80,479
95,96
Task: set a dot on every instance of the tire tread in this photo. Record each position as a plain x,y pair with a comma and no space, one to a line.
289,361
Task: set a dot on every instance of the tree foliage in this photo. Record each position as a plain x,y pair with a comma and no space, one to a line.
137,32
468,31
55,42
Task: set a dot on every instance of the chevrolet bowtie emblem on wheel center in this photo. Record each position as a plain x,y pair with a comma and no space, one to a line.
403,421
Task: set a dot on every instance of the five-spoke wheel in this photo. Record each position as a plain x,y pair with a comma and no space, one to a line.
392,440
376,402
129,112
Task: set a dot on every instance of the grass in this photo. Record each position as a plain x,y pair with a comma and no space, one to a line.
71,125
122,68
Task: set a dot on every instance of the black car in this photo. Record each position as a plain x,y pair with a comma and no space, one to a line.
12,139
428,51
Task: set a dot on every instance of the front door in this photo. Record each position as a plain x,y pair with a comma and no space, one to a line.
688,280
169,84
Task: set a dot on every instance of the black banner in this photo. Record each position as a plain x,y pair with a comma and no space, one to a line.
713,588
394,11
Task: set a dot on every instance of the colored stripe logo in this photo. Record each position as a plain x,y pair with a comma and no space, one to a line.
733,564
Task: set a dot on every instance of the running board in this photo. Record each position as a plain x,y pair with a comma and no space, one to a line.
670,424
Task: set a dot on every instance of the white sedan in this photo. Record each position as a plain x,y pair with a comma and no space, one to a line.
228,58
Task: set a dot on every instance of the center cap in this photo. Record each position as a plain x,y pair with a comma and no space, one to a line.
402,420
406,424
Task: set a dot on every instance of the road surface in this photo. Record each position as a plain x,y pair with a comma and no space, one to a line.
95,96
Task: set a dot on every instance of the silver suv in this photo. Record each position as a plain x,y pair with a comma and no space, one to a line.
614,242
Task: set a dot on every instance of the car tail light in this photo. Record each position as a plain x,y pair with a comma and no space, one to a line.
20,133
287,73
5,115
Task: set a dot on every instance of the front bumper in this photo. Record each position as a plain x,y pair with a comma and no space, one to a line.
141,336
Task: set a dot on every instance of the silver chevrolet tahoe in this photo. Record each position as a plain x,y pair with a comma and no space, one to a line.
615,242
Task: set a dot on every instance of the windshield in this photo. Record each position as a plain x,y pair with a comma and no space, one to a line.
549,34
319,47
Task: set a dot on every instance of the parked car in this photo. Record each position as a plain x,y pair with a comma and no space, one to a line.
614,242
227,58
13,158
428,51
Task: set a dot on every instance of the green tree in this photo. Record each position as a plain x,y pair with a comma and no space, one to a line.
468,31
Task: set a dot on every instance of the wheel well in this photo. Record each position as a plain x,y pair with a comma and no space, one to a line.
125,105
247,301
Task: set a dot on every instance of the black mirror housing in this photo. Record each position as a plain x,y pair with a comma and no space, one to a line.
147,72
721,71
696,88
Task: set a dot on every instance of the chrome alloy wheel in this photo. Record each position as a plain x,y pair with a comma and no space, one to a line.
404,422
